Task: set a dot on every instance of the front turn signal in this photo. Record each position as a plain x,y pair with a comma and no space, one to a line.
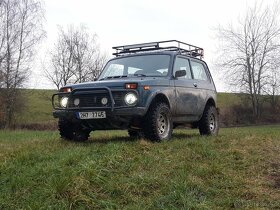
131,86
146,87
65,90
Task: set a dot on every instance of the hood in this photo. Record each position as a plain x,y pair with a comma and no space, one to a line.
119,83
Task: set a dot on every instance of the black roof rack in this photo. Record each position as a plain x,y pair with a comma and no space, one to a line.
169,45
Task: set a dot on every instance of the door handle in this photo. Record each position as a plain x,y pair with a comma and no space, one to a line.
195,84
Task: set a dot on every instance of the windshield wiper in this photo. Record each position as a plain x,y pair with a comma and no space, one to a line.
140,75
112,77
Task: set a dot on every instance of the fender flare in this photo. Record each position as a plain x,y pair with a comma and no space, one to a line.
161,96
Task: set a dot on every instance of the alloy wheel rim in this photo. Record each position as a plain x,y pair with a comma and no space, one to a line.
212,122
163,124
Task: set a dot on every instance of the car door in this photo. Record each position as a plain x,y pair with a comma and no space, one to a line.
202,82
186,93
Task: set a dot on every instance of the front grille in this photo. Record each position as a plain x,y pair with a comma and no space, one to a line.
119,98
94,99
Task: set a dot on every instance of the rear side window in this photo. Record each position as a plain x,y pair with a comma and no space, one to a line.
199,72
183,64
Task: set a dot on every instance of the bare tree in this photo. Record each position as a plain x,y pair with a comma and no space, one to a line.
272,88
75,58
248,52
99,62
84,50
60,68
2,39
21,29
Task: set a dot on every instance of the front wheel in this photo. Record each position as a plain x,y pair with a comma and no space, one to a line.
158,124
136,134
70,131
209,123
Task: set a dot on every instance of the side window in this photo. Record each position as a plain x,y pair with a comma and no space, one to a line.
199,71
183,64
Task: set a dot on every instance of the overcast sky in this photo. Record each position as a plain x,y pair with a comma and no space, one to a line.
118,22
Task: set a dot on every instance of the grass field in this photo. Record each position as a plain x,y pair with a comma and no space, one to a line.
238,169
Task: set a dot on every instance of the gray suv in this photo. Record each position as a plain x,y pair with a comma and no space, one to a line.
147,89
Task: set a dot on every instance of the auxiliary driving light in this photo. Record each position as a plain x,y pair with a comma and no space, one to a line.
130,99
104,101
76,102
64,102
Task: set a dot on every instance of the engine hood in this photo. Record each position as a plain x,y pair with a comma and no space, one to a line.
119,83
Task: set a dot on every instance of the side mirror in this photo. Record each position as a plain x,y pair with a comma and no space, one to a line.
95,79
180,73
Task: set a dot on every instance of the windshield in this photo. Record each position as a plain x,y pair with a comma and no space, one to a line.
137,66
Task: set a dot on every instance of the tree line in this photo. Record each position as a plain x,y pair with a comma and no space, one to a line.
74,58
21,29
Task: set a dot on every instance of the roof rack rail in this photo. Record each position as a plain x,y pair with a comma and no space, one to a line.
169,45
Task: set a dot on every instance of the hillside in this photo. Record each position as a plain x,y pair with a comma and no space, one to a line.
226,100
37,112
38,108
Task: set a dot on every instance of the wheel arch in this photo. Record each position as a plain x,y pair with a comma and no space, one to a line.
159,97
210,102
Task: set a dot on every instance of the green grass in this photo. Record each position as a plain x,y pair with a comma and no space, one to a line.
238,169
38,107
225,100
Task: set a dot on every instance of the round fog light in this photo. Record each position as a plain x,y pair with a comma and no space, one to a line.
104,101
130,99
64,102
76,102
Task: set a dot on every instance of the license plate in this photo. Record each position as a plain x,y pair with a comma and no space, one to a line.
92,115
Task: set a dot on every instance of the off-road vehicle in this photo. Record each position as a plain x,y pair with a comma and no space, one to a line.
147,89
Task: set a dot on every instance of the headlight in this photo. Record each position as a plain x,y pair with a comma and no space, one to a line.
130,99
64,102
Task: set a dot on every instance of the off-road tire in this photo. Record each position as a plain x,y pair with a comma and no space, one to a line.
158,125
135,134
80,135
209,123
65,129
70,131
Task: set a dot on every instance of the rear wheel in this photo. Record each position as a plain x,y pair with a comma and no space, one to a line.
70,131
158,124
209,123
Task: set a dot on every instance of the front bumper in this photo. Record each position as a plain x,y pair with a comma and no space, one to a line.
116,119
118,115
129,113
